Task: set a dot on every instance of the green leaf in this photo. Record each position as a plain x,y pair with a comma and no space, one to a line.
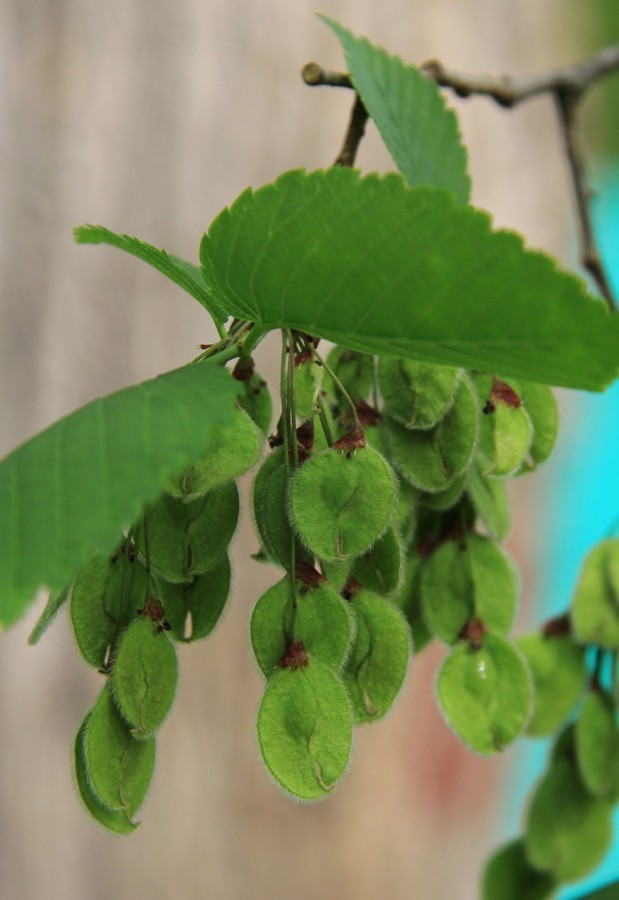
378,662
567,831
184,274
510,876
72,488
144,676
595,611
305,730
485,693
119,767
54,603
113,819
194,609
559,676
420,132
377,267
597,745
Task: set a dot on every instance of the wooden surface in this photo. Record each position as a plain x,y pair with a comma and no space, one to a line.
149,116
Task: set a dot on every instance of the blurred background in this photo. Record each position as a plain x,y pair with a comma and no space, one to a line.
149,116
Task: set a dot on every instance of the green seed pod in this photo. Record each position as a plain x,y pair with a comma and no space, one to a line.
194,609
442,500
510,876
408,599
270,502
188,539
307,383
541,406
417,394
336,573
466,579
557,665
485,693
380,569
354,370
305,730
119,767
255,398
104,597
321,622
231,451
113,819
144,677
597,746
341,504
431,460
376,668
567,831
513,434
595,612
489,498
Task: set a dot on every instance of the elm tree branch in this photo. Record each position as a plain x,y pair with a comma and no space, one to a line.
566,85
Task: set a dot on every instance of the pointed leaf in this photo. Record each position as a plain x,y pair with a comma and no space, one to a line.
184,274
420,132
377,267
72,488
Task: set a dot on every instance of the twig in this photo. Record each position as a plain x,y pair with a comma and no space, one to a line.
566,85
354,134
508,91
589,254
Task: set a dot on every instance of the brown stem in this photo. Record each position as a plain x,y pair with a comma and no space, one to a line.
589,254
354,134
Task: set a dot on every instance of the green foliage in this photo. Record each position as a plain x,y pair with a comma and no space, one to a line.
409,111
71,489
182,273
403,294
386,479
